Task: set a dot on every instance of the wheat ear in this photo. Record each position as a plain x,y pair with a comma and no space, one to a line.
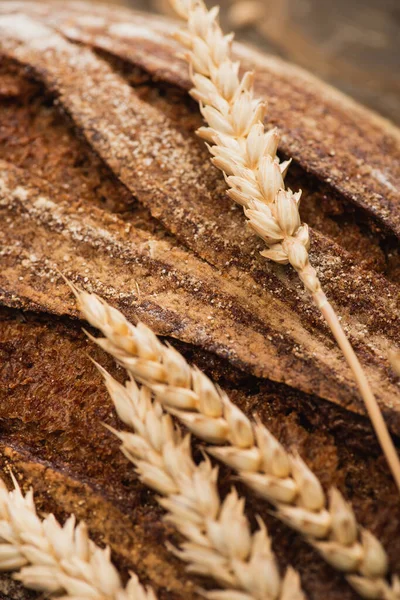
263,464
246,154
218,539
57,559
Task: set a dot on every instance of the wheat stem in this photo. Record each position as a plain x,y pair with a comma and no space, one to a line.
394,358
363,385
246,154
263,464
218,543
56,559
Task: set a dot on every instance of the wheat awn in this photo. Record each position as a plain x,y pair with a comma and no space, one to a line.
246,154
264,465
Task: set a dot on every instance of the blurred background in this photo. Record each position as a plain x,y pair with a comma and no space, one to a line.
352,44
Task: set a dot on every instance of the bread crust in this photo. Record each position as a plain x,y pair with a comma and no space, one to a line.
168,171
102,178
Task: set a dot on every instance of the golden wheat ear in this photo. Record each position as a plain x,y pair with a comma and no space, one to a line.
218,541
281,478
246,154
57,559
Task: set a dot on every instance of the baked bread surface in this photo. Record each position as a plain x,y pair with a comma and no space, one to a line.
102,178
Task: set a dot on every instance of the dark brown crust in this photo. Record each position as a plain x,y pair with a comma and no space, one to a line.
160,164
53,438
178,294
316,120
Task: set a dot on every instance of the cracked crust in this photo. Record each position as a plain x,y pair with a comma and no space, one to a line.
53,438
167,170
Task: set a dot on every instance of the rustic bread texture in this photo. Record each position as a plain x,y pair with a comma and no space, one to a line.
160,163
102,177
53,403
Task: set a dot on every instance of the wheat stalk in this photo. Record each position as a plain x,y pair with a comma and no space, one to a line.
395,361
56,559
218,539
264,465
246,154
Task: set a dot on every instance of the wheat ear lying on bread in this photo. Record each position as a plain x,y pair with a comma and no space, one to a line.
246,153
251,449
57,560
218,543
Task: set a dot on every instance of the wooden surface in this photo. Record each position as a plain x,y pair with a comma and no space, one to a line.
352,44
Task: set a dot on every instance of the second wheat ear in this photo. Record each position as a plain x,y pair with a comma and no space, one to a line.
246,154
58,560
218,540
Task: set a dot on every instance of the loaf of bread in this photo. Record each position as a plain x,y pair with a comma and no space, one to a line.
102,179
